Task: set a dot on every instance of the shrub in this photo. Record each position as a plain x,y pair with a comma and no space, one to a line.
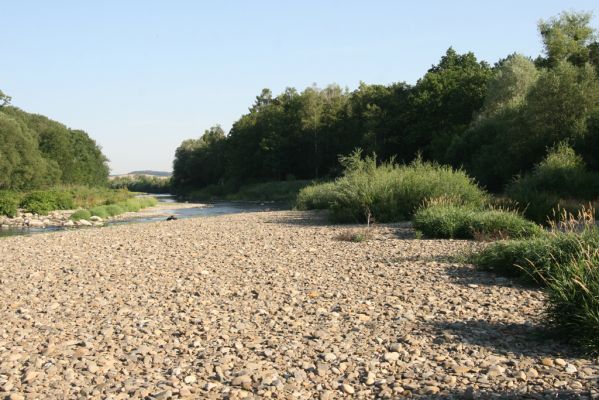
99,211
132,205
42,202
113,209
446,221
573,289
9,201
388,192
80,214
316,196
560,180
535,258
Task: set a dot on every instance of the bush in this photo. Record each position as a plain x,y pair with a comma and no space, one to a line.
114,209
42,202
573,289
534,259
389,192
445,221
86,197
80,214
99,211
560,180
316,196
9,201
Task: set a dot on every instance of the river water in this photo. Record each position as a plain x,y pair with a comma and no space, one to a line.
205,210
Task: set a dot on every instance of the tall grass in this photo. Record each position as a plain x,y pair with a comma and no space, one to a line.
449,221
573,289
388,192
566,262
9,202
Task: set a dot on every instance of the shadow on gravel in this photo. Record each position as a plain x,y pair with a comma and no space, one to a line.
507,338
305,218
469,275
549,394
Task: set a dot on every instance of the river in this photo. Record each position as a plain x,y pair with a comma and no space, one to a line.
202,210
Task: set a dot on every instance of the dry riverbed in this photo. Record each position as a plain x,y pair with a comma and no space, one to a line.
268,305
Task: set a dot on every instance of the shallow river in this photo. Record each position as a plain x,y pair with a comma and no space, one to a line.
206,210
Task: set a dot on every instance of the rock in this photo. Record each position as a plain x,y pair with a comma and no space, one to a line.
391,357
240,380
84,222
460,369
189,379
548,362
561,362
329,357
95,218
348,388
571,369
69,223
16,396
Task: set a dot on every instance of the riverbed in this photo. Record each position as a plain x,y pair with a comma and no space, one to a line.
167,206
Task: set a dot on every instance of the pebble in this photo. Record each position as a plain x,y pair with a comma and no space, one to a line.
238,306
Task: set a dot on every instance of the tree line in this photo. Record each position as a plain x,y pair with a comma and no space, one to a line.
37,152
495,121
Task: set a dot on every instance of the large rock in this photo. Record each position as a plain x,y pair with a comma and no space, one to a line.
84,222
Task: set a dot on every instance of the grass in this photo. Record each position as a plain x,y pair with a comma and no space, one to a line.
81,214
565,261
450,221
355,235
111,210
388,192
573,289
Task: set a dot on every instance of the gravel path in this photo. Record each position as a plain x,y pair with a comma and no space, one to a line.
267,305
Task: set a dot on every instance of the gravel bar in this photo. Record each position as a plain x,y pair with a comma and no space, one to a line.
269,305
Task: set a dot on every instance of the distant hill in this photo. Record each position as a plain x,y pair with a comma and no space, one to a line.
151,173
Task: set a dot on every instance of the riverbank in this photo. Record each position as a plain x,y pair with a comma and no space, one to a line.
61,218
268,304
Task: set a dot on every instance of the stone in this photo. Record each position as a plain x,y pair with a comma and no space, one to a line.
391,357
348,388
189,379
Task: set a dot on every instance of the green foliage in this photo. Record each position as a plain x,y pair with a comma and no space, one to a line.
99,211
567,264
560,176
446,221
142,183
81,214
567,37
114,209
573,289
535,258
317,196
388,192
36,152
9,202
42,202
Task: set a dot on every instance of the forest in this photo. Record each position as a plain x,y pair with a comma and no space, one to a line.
494,121
37,152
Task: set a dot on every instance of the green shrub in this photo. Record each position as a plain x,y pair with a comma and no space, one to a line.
560,180
42,202
446,221
114,209
132,205
80,214
99,211
388,192
317,196
147,201
535,258
573,289
9,202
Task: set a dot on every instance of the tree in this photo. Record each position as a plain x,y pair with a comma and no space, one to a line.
567,38
4,99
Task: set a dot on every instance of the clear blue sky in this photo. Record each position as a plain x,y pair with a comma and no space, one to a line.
141,76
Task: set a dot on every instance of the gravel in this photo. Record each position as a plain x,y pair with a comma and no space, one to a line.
268,305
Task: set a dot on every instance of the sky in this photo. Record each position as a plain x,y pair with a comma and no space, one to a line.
140,76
